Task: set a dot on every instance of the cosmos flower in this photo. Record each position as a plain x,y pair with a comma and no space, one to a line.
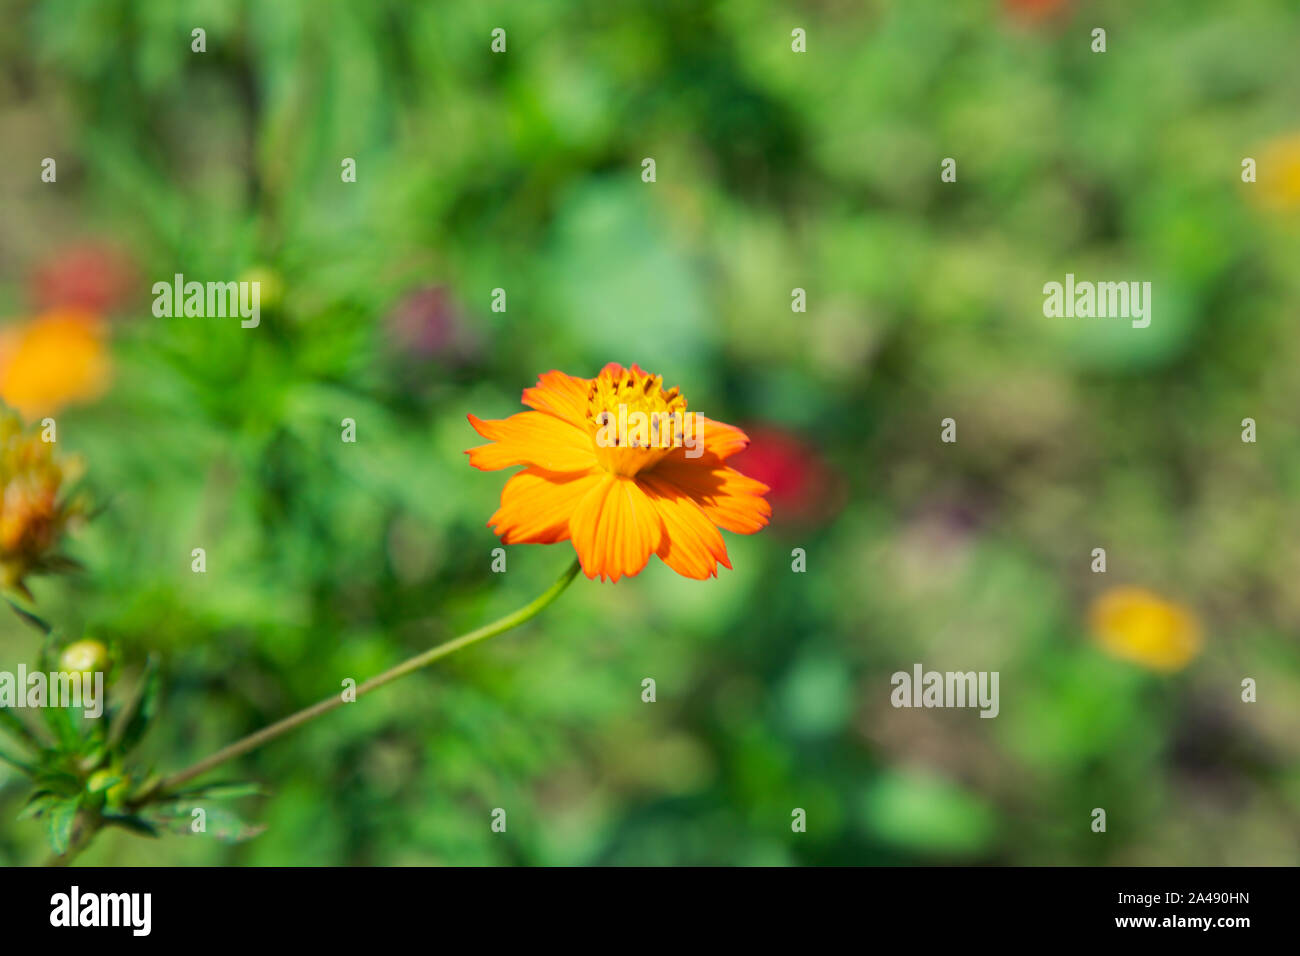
34,510
52,361
620,494
1137,625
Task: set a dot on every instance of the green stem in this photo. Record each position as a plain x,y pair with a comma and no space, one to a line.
267,734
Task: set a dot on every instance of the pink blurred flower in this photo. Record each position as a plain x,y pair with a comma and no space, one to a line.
89,275
427,323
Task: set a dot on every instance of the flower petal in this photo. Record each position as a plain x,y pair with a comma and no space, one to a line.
728,498
532,438
615,528
691,545
536,506
719,439
561,395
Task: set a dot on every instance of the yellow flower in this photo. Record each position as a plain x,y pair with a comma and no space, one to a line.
270,288
1279,174
54,360
33,515
1137,625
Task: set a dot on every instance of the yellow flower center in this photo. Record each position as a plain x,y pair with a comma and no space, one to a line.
634,422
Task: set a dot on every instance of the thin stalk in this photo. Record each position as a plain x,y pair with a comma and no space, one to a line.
424,659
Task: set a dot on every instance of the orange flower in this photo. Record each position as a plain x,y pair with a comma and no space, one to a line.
618,466
1140,626
55,359
34,510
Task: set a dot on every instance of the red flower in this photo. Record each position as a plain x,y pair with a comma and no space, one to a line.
1034,11
804,489
89,275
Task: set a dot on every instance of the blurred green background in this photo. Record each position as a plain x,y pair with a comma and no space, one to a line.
775,170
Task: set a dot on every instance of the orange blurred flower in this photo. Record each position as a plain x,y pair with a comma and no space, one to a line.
1140,626
53,360
620,492
33,516
1279,174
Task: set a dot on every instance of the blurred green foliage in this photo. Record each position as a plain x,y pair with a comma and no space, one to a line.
775,170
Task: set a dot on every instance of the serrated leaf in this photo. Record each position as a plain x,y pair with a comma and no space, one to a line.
221,824
59,820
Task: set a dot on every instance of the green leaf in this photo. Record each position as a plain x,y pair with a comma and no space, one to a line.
18,727
37,622
219,823
103,780
49,649
61,724
132,822
926,813
57,780
38,803
230,828
60,563
133,720
59,819
222,791
17,762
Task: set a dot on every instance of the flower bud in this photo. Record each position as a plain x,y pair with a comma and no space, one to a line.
113,782
84,656
34,513
101,780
